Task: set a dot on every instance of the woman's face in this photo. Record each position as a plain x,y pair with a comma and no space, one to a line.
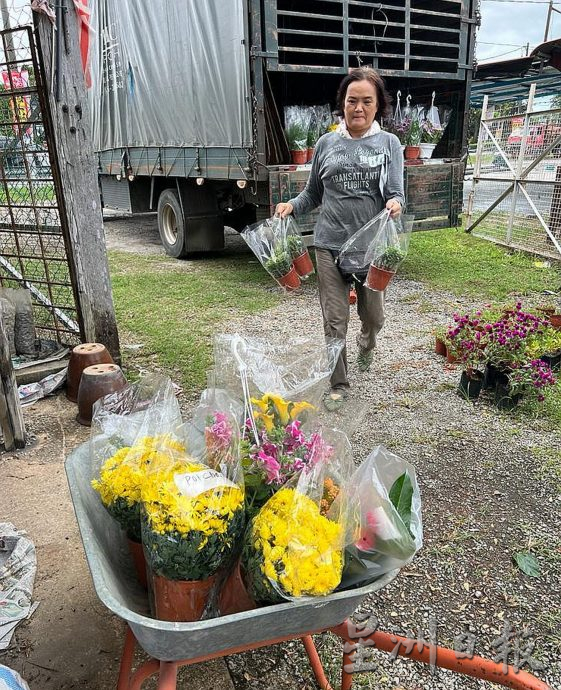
361,106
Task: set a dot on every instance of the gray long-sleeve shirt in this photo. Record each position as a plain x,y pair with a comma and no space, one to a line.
351,179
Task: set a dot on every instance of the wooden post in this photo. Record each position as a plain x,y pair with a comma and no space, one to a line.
76,181
11,418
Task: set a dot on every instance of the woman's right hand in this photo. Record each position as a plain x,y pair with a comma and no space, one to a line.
283,209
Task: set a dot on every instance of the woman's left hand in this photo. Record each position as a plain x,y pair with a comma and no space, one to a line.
394,207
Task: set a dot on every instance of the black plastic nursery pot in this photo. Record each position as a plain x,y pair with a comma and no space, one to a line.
504,399
470,384
553,359
494,376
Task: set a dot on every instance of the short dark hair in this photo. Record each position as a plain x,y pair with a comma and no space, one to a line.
365,74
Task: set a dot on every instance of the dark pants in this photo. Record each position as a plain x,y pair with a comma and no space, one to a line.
334,300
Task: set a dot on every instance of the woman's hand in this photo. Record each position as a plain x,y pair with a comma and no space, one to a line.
284,209
393,206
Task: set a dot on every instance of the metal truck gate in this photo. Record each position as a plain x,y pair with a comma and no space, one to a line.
34,247
515,198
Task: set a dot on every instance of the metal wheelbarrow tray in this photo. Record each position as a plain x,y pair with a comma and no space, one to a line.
172,645
117,587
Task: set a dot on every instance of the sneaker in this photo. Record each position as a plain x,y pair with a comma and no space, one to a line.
334,399
364,359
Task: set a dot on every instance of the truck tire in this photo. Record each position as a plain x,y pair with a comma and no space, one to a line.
171,224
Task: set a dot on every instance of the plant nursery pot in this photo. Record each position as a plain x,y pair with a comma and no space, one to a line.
97,381
504,399
180,601
139,561
451,357
440,347
555,320
412,152
290,280
299,157
553,359
493,376
378,278
83,356
234,596
546,310
310,155
303,265
426,150
470,384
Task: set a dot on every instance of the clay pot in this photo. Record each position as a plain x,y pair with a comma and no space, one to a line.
83,356
290,280
378,278
555,320
412,152
139,561
440,347
450,357
234,596
181,601
303,265
299,157
310,154
97,381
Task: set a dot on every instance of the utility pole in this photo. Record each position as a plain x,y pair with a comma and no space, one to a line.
548,20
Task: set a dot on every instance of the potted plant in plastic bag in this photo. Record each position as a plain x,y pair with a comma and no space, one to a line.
282,269
297,137
384,267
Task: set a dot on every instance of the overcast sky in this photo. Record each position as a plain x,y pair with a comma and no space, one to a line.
515,23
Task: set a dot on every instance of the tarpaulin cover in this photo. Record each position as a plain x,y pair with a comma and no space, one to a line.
168,73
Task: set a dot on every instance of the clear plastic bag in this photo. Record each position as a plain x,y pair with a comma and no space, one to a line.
380,240
297,122
134,431
432,114
294,546
387,250
299,253
268,240
384,527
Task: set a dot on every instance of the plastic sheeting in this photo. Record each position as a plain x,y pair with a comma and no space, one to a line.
169,73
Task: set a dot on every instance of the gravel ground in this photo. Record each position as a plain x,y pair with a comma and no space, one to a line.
485,494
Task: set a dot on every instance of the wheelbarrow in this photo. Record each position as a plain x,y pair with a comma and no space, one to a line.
171,645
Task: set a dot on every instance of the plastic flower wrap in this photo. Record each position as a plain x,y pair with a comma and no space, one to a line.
123,474
193,517
384,527
275,447
294,545
133,432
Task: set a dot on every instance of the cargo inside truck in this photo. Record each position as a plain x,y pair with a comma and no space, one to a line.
191,111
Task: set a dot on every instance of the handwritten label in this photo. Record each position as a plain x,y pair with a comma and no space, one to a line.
193,484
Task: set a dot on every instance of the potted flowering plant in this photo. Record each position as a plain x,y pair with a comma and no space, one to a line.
192,520
430,136
413,140
400,129
384,266
529,379
467,340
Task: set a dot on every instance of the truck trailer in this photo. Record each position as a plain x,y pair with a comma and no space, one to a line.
187,100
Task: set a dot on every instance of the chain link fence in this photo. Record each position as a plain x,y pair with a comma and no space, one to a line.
34,246
515,198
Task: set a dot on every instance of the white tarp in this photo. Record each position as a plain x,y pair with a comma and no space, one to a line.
169,73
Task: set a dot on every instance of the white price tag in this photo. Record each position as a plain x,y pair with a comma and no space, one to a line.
194,483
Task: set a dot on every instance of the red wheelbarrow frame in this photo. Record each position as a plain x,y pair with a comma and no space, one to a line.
476,667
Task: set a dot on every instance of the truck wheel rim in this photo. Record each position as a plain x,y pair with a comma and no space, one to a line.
169,225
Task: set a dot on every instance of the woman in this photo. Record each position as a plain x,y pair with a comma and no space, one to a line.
357,170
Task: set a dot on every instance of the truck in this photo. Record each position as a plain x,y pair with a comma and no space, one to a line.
187,101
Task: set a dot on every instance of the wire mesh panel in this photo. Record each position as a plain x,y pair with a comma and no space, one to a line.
516,194
34,251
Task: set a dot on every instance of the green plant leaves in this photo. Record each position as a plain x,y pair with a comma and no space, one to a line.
527,563
401,496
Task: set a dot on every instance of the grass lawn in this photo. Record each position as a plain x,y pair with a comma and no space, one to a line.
174,308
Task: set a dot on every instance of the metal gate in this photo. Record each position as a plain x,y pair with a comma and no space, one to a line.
515,198
34,245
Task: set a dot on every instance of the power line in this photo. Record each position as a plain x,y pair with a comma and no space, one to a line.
508,52
494,43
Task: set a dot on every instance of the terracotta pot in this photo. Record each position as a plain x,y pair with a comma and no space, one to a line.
546,310
299,157
181,601
303,265
378,278
310,154
234,596
555,320
83,356
139,561
440,347
97,381
412,152
450,357
290,280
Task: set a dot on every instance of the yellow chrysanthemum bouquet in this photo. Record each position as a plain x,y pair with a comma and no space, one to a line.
294,545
